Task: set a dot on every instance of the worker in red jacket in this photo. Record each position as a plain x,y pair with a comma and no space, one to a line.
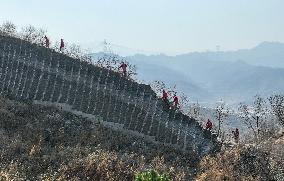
123,67
175,101
165,95
61,44
209,125
236,135
46,41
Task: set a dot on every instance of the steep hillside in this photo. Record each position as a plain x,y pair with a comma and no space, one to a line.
31,72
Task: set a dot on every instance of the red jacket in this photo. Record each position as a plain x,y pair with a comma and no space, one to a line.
165,95
46,42
123,66
209,124
61,44
176,99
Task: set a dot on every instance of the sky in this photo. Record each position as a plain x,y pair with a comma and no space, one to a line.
160,26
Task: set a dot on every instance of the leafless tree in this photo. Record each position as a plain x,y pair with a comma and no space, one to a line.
158,86
132,69
254,116
109,59
73,51
195,110
28,33
86,58
112,61
33,35
184,103
8,29
221,112
277,105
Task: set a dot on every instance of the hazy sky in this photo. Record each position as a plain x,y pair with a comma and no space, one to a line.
168,26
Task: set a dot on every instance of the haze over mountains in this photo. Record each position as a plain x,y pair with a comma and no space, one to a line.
234,76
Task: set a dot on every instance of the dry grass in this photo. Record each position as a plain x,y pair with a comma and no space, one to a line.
244,163
39,143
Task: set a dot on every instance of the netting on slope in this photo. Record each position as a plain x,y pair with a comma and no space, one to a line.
33,73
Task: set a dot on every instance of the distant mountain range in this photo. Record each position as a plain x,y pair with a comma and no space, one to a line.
234,76
265,54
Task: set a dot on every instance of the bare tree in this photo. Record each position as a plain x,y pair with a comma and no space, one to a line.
112,61
277,105
195,110
33,35
109,59
255,115
28,33
132,69
158,86
73,51
184,103
86,58
8,29
221,112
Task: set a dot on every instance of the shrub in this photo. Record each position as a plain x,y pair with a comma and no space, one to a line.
33,35
247,162
8,29
151,175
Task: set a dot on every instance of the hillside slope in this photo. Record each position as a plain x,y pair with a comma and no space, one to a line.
31,72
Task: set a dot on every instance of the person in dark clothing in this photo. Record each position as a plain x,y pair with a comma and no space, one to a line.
176,103
123,66
166,100
61,45
165,95
209,125
46,42
236,135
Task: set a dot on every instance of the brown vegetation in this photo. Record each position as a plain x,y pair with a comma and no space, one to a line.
39,143
264,161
